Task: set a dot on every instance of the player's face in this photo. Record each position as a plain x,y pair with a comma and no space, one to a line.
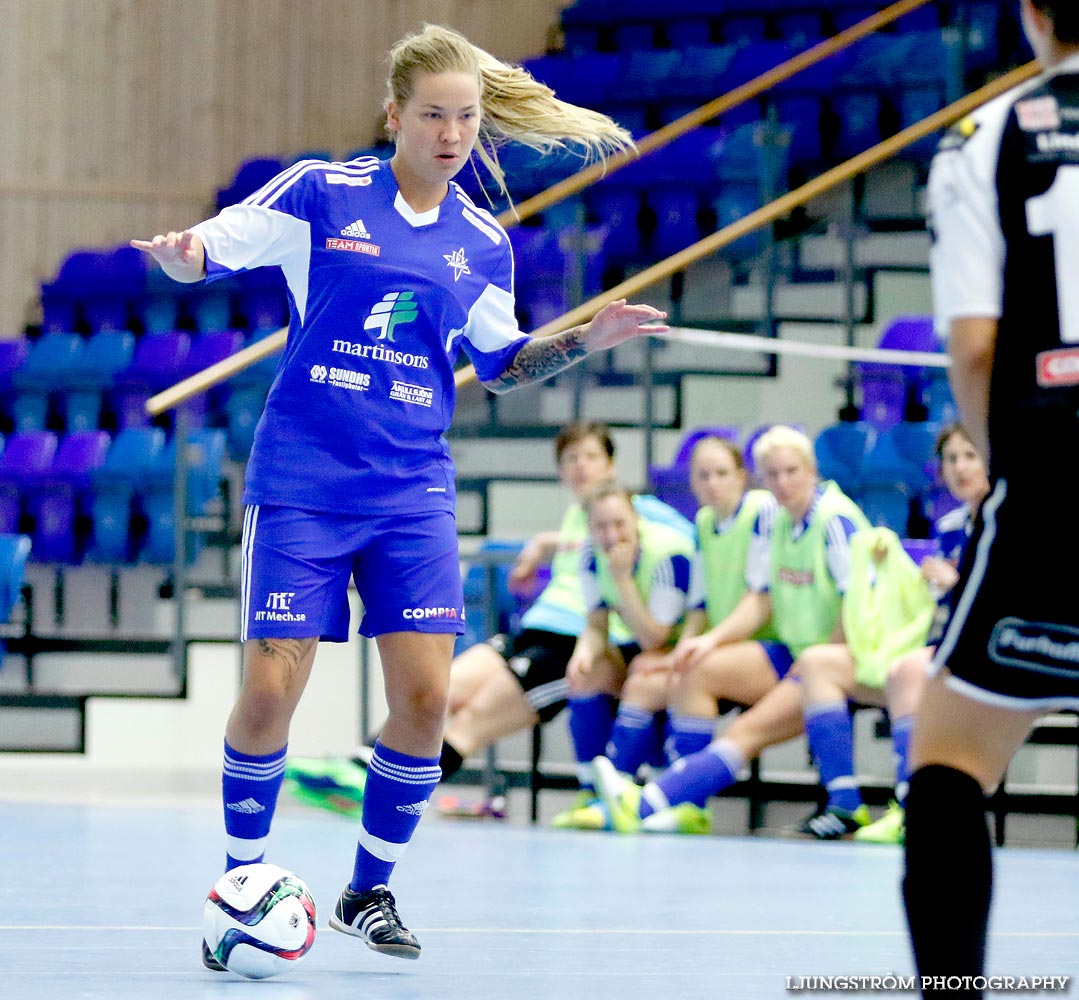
584,465
715,478
791,481
437,126
612,521
963,470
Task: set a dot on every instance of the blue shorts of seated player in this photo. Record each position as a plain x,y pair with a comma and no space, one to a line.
779,656
297,565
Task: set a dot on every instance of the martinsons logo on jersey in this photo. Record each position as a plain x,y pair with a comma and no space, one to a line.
396,309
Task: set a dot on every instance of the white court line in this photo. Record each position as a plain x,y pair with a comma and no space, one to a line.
594,931
772,345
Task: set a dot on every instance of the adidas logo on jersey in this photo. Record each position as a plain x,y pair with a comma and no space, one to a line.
414,809
357,230
248,806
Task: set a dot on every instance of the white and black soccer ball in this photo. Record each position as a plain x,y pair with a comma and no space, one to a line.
259,920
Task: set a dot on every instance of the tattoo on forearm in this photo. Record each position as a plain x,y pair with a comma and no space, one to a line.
540,359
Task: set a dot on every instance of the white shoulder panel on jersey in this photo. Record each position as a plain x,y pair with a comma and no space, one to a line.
244,236
491,323
967,252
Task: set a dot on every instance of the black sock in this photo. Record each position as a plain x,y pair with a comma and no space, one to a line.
948,884
450,761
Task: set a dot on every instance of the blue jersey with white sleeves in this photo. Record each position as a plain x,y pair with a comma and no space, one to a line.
381,300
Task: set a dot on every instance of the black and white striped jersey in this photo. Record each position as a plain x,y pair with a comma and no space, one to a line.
1004,215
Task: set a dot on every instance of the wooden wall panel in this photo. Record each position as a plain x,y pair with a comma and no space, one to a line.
123,117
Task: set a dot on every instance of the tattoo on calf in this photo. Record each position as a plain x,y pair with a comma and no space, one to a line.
540,359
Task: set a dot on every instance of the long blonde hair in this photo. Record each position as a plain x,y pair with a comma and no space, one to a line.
514,106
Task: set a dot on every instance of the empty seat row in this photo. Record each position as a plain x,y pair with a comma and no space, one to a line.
103,381
121,288
87,495
989,28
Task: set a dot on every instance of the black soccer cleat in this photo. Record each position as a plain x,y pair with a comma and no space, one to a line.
372,916
210,961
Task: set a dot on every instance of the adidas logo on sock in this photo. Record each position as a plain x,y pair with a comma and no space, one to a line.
249,806
415,809
357,230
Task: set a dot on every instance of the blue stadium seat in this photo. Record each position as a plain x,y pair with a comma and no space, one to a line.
48,367
204,458
887,389
103,356
249,177
13,552
480,616
158,362
128,463
915,442
841,450
635,36
60,498
799,28
677,212
859,114
12,357
260,297
326,155
25,458
620,211
743,27
886,505
700,73
683,32
938,399
208,349
14,549
102,289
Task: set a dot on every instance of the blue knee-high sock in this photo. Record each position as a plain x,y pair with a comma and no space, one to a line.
688,734
396,794
901,730
249,787
591,719
632,738
831,741
694,778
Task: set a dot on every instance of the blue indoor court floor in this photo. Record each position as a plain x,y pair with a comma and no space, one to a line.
104,900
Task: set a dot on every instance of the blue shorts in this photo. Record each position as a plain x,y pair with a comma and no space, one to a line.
297,564
779,655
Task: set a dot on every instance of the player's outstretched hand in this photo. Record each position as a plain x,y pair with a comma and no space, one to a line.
181,255
618,322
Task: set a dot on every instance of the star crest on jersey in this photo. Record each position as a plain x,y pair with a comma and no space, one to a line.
458,262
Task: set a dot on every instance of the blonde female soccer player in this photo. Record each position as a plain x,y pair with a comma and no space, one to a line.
391,271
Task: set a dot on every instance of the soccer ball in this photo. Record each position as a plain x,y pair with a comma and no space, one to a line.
259,920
